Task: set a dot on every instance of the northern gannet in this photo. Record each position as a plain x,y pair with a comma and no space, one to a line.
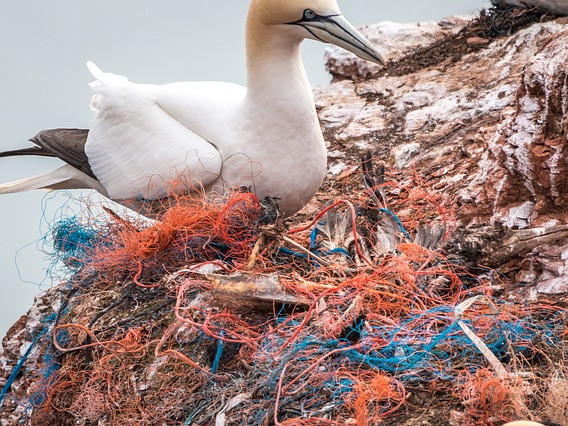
208,135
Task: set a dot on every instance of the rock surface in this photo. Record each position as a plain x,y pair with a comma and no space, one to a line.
558,7
488,128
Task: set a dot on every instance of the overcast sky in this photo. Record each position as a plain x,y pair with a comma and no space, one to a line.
44,46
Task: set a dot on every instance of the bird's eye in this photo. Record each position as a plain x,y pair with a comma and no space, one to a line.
309,14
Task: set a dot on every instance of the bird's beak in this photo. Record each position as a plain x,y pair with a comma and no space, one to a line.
335,29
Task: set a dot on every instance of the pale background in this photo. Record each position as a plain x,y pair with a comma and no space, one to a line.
44,46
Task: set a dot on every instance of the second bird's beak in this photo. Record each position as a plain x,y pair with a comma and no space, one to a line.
335,29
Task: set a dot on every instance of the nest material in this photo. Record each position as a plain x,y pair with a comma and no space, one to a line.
489,25
223,320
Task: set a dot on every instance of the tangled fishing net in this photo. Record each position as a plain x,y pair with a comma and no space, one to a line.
213,314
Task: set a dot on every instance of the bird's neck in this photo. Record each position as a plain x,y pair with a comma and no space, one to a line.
275,73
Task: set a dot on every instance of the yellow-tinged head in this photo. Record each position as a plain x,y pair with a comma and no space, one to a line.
315,19
276,12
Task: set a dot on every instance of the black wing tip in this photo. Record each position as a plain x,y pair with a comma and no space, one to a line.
68,144
61,132
27,151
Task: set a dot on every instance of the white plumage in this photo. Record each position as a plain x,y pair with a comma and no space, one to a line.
147,141
137,145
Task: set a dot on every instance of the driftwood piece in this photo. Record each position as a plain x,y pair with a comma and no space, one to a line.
521,242
525,240
249,292
494,246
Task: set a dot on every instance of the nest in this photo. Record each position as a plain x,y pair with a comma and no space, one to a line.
209,315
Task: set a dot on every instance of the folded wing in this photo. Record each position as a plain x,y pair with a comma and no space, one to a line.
136,149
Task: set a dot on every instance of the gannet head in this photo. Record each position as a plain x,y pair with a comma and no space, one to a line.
317,20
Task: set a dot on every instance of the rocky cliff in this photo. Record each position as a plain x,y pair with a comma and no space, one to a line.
470,123
481,115
559,7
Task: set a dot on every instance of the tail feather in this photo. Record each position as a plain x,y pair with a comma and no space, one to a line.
66,177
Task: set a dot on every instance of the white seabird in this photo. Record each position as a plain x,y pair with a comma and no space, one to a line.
208,135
